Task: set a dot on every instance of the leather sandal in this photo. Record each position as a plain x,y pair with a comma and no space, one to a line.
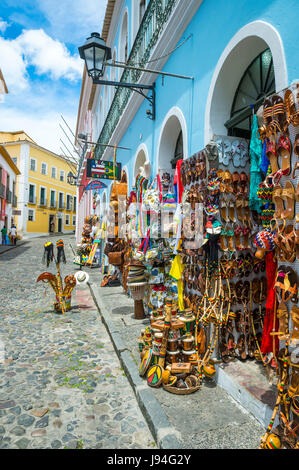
235,182
277,200
278,111
231,210
272,156
295,320
223,209
288,194
238,231
229,239
284,150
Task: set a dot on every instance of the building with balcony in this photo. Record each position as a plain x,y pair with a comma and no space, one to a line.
8,198
46,201
235,53
234,62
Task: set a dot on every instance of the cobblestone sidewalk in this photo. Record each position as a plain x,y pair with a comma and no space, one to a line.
61,383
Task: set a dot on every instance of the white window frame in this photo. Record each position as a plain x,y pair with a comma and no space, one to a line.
54,168
34,194
71,205
73,217
35,163
65,219
41,168
55,201
60,192
33,210
62,172
45,188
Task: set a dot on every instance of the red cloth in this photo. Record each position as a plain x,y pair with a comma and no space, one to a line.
178,180
267,339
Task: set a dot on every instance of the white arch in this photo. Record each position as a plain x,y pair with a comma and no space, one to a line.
141,157
247,43
123,35
173,123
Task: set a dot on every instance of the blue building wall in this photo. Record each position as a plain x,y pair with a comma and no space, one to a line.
212,27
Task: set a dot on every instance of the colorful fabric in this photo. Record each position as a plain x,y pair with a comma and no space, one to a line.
267,339
176,272
255,153
178,184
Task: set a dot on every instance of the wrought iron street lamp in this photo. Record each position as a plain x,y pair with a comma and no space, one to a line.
95,53
71,179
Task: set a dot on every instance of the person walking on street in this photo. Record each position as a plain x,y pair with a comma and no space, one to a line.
4,233
13,233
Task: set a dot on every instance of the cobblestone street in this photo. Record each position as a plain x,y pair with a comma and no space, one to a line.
61,383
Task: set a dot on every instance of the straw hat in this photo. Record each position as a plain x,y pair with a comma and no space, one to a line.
81,277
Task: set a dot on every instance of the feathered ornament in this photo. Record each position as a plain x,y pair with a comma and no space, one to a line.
48,255
60,251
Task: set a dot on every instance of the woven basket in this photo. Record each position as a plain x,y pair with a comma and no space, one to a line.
180,391
137,292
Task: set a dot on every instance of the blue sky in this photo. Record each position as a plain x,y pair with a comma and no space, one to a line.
39,60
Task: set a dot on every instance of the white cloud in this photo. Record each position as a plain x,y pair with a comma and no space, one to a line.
49,56
36,48
13,66
73,20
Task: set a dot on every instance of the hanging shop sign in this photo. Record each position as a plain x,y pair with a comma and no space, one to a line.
95,185
101,169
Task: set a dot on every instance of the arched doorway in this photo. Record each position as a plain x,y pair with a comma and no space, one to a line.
173,140
245,50
257,82
142,164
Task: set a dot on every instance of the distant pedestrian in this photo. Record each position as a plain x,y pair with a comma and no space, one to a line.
52,227
4,234
13,233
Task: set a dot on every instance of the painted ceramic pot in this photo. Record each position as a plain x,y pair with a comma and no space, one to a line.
188,356
273,442
187,342
209,371
172,345
67,304
172,356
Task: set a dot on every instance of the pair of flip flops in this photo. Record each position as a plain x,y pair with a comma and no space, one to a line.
236,150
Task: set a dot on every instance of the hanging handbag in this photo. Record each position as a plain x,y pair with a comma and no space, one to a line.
152,196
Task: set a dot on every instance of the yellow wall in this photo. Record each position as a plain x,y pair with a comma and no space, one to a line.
42,214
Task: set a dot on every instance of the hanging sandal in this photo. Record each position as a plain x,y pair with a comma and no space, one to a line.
231,210
288,194
223,209
229,239
277,200
272,156
238,232
295,320
284,151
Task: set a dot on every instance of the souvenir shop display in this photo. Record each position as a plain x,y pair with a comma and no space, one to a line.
278,134
83,248
213,252
63,292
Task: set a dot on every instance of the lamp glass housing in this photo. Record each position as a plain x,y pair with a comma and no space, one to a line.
95,53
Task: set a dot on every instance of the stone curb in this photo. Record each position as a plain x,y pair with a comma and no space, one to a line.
11,247
164,434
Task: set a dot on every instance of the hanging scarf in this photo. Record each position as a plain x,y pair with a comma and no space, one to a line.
60,251
255,152
267,339
48,255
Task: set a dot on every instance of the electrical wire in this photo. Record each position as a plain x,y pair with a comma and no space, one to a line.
155,60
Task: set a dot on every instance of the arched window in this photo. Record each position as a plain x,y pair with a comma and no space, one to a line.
124,40
257,82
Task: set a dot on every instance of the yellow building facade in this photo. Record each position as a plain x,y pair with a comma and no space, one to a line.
46,202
